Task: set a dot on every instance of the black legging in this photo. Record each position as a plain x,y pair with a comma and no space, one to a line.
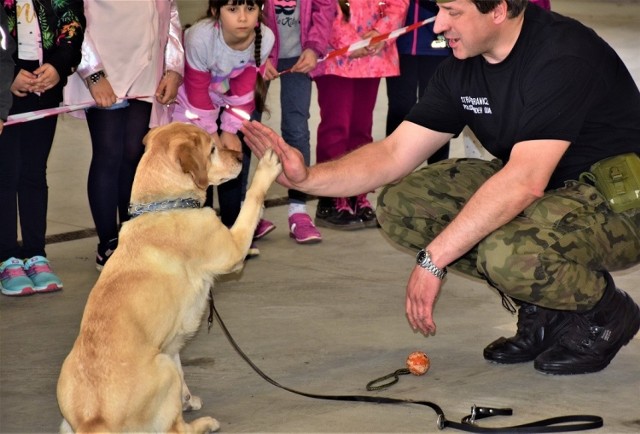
231,193
116,139
24,151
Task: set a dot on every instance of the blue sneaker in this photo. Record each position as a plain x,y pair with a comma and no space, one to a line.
13,279
41,275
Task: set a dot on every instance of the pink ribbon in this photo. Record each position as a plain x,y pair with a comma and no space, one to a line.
39,114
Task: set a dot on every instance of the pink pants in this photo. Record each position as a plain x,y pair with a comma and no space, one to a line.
346,114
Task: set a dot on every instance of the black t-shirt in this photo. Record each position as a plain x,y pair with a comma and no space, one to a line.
561,81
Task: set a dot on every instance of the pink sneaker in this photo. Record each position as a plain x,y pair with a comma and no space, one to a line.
263,228
303,230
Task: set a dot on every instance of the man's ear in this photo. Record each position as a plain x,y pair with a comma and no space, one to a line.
500,13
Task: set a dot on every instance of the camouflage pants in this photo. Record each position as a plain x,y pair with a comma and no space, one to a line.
552,254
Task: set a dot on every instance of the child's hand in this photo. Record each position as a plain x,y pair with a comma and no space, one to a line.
270,72
168,87
306,62
46,77
23,84
102,93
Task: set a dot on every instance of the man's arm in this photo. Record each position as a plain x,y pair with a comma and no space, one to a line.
365,169
498,201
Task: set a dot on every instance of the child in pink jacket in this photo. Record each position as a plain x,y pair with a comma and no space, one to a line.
302,30
347,91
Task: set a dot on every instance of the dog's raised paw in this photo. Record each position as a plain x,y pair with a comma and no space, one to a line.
270,161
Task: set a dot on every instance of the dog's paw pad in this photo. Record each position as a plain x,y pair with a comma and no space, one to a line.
270,159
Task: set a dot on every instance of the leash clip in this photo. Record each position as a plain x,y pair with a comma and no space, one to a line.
472,416
482,412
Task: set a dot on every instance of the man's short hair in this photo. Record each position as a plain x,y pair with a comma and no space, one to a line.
514,7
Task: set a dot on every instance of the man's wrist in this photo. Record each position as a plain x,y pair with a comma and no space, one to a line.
423,259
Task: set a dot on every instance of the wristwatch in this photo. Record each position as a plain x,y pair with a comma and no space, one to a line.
95,77
424,260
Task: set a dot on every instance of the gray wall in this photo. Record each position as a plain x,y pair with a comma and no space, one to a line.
191,10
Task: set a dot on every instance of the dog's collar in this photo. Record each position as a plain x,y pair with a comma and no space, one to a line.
137,209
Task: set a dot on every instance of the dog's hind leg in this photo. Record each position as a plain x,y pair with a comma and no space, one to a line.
189,401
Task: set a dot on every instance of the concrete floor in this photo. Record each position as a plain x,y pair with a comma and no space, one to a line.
326,319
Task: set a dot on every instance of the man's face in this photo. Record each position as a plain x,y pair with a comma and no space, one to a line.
468,32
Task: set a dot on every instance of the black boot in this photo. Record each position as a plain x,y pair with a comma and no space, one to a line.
338,216
594,337
324,208
538,329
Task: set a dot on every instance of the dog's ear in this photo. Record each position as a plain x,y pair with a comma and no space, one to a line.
150,136
192,163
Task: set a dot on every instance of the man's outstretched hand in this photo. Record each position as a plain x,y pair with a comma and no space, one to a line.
259,138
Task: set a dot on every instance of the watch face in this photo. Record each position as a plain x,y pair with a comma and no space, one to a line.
422,255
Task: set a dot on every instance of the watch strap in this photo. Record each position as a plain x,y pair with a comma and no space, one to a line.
424,260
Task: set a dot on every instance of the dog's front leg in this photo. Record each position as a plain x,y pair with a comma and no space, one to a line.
267,171
189,401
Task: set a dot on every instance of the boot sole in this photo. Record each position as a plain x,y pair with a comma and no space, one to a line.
506,361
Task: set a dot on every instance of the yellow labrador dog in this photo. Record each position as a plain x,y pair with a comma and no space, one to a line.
123,373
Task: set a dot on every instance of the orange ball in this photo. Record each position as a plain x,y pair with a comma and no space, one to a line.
418,363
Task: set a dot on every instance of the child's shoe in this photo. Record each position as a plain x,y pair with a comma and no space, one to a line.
340,216
13,280
302,229
40,273
364,210
263,228
103,253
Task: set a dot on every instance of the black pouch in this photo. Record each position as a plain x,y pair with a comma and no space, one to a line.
618,179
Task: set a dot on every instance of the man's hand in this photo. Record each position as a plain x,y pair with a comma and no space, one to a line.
422,291
259,138
168,87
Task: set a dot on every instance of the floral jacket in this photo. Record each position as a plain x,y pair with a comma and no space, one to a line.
7,47
366,15
62,25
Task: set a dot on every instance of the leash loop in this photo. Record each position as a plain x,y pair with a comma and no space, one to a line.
395,375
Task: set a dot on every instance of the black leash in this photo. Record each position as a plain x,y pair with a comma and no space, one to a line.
468,423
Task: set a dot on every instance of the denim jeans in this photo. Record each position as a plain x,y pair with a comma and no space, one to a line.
295,99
